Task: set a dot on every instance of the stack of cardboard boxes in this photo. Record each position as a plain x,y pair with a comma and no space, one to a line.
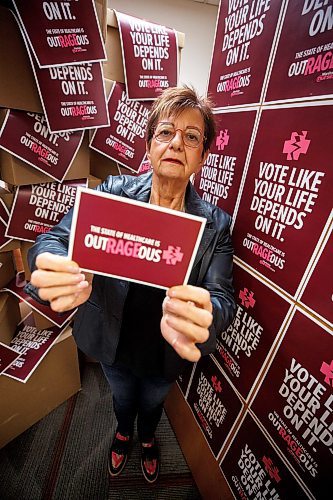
57,377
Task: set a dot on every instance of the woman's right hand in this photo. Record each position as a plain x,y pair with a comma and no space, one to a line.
60,281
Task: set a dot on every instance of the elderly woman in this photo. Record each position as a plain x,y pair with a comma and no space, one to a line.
142,336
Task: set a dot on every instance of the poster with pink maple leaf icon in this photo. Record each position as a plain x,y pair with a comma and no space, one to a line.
253,469
219,179
295,401
287,194
214,403
243,348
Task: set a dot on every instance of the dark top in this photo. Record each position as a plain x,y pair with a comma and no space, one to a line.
141,344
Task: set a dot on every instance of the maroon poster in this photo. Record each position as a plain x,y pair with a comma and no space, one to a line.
32,345
254,470
145,167
16,287
38,207
243,41
124,141
219,179
287,194
61,32
7,356
304,59
295,402
243,348
4,212
213,402
4,216
123,238
184,379
26,136
150,55
73,97
318,294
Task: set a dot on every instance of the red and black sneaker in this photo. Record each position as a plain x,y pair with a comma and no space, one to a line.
118,454
150,462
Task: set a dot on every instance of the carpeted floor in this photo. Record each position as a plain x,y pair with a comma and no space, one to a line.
64,456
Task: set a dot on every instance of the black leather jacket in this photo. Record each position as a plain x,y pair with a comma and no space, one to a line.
97,323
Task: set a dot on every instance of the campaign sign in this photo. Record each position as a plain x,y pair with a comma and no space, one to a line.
254,470
295,402
7,356
150,55
318,294
73,97
26,136
38,207
287,195
303,62
219,179
4,212
243,41
213,402
32,345
16,287
61,32
124,140
127,239
184,379
243,348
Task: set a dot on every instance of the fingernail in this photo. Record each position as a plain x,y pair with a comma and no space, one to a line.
73,269
82,284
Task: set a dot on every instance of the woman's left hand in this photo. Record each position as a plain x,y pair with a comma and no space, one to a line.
187,315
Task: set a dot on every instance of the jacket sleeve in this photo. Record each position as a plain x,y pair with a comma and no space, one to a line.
218,281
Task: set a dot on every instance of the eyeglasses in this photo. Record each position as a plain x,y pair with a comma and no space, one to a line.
165,132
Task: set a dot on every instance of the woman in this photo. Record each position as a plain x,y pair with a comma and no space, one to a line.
142,336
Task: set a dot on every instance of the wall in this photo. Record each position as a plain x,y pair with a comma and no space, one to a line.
194,19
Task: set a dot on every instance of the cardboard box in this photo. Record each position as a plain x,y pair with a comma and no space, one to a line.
55,380
18,89
93,181
17,172
41,322
7,269
10,317
25,245
113,69
101,166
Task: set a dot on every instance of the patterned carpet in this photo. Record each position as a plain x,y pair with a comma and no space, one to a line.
64,456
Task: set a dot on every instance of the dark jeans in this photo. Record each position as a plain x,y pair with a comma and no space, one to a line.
136,396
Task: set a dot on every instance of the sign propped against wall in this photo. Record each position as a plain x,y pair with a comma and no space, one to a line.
124,141
243,41
253,469
295,401
73,97
61,32
127,239
150,55
219,179
32,345
287,195
26,136
38,207
303,62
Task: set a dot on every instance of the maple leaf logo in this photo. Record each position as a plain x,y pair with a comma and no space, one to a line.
272,470
247,298
296,145
172,255
216,383
327,370
222,139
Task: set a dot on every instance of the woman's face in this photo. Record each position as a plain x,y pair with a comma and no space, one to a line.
174,159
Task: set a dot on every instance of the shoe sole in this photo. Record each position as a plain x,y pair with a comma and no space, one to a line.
114,474
146,477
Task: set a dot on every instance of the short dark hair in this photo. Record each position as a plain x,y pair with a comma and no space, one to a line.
173,101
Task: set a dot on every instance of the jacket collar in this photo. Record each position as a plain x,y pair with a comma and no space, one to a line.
139,188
